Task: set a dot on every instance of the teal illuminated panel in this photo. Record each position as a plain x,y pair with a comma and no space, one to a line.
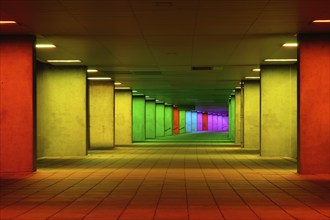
168,120
182,122
188,121
150,119
193,122
138,118
160,120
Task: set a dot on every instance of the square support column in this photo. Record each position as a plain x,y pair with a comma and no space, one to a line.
150,119
176,121
193,121
160,120
188,122
232,116
238,116
168,120
138,118
123,117
182,124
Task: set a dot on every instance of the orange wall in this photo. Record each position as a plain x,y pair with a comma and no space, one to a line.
176,119
314,72
16,101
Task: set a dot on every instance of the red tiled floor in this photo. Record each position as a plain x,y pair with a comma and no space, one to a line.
166,182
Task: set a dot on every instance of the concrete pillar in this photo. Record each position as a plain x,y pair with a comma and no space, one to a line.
176,121
160,120
61,111
168,120
182,120
188,122
314,80
193,121
251,114
215,122
150,119
205,121
278,111
101,114
17,140
123,117
232,116
138,118
238,116
210,122
199,121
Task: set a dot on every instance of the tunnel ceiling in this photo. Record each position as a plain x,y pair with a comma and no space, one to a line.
182,52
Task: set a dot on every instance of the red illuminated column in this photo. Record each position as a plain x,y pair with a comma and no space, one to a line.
205,121
176,120
314,72
17,107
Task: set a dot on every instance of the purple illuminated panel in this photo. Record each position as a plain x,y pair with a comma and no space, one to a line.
215,123
225,123
220,123
210,122
199,121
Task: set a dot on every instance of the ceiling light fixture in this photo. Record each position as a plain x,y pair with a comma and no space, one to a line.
122,88
252,77
134,91
45,46
280,60
117,83
290,45
237,87
256,70
322,21
63,61
8,22
92,71
99,78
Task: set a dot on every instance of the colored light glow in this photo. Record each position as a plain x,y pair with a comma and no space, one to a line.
238,87
8,22
290,45
63,61
122,88
92,71
256,70
134,91
147,96
99,78
252,77
117,83
322,21
280,60
45,46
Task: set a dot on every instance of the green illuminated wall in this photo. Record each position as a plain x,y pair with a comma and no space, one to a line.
150,119
61,111
182,122
238,116
101,113
251,107
138,118
168,120
279,111
123,117
160,120
232,116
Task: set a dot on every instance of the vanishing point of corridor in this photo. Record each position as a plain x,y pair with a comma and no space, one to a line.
166,182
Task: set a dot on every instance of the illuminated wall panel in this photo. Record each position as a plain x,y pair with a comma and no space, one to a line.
215,123
199,121
210,122
160,120
193,122
220,123
188,122
150,119
182,122
225,123
205,122
138,118
176,121
16,102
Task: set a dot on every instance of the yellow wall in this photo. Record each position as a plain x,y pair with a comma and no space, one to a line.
238,116
101,113
251,114
279,111
61,111
123,117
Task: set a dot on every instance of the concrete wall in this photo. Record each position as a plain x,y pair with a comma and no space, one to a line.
238,116
251,114
160,120
314,107
17,147
193,122
188,122
61,111
168,120
182,123
101,113
150,119
279,111
123,117
138,118
232,120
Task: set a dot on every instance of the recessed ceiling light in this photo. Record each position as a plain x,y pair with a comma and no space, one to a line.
322,21
290,45
117,83
280,60
99,78
45,46
92,71
256,70
237,87
134,91
252,77
8,22
147,96
122,88
63,61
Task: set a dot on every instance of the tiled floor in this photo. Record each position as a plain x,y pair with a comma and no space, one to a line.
166,182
